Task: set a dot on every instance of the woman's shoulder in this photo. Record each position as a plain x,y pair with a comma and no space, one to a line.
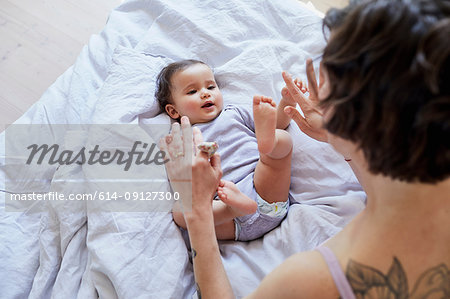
400,261
303,273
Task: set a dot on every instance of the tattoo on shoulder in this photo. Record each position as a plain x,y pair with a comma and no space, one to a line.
368,282
194,253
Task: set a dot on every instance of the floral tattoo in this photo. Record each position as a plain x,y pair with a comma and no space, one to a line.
368,282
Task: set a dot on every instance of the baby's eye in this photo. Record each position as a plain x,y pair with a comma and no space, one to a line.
192,91
211,87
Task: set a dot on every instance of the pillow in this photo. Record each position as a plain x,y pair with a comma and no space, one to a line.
129,88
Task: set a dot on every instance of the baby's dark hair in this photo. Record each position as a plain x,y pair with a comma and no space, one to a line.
163,92
388,63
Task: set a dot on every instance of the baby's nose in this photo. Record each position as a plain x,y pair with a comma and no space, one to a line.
205,94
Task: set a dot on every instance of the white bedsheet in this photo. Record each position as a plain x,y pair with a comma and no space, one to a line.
74,253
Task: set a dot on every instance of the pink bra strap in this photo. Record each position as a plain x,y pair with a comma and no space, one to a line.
342,284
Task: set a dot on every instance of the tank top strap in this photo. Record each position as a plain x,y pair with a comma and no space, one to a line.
340,280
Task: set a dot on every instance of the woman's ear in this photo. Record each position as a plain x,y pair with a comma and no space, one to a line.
172,111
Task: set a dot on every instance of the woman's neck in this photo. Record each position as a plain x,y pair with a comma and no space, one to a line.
386,195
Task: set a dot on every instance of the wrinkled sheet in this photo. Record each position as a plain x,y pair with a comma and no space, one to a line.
51,251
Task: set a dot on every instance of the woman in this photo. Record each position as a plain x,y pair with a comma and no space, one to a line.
384,104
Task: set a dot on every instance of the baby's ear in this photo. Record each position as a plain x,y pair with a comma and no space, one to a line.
172,112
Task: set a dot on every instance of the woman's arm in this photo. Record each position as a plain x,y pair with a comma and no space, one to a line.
197,195
210,276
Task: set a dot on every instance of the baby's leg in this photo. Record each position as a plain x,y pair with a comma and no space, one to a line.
225,228
222,213
233,204
273,171
236,203
225,231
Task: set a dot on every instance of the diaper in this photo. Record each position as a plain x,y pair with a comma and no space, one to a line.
267,217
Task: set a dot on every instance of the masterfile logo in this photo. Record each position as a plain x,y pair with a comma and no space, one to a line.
117,168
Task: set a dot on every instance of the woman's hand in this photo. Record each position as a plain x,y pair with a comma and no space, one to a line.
190,171
312,121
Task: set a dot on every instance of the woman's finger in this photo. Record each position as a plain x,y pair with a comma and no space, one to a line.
187,137
295,92
198,138
168,139
305,126
297,117
321,74
312,82
215,163
175,147
163,147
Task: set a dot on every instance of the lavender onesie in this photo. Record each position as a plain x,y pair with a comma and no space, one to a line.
234,131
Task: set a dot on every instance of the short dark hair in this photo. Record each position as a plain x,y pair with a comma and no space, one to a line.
163,92
389,70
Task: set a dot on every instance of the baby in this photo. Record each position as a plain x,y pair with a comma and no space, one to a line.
256,156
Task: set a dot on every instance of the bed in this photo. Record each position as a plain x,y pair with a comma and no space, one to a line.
73,253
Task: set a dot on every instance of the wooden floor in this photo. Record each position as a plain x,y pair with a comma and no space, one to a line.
324,5
40,39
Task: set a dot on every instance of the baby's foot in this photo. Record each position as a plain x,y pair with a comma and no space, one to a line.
265,115
239,203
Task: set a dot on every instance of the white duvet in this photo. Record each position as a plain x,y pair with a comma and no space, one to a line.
81,253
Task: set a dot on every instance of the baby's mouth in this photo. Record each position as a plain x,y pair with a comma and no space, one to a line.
208,104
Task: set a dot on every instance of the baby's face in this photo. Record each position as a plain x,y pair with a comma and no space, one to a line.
195,94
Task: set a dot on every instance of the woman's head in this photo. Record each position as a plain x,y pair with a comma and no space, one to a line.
388,66
188,88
